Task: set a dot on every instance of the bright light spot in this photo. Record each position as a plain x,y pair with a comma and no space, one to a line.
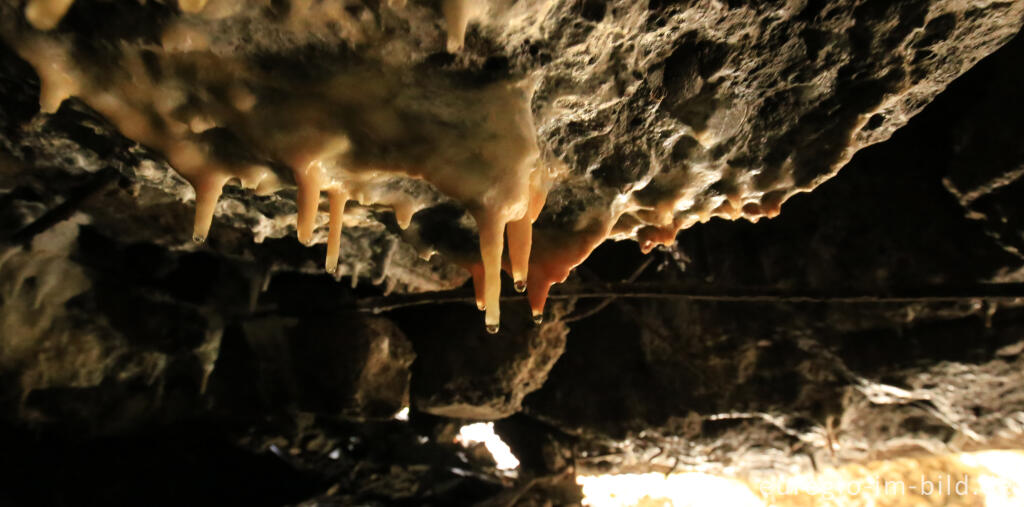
1004,486
990,478
678,490
402,415
335,454
484,433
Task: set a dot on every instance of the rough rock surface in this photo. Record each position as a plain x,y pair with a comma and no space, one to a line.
136,366
363,372
859,381
464,373
665,113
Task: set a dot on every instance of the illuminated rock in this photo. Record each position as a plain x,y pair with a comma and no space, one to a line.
625,121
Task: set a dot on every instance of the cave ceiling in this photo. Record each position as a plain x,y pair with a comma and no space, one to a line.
726,236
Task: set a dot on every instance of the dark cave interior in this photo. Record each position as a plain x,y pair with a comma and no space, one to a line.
233,375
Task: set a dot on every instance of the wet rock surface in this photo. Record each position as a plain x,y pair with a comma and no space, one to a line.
138,367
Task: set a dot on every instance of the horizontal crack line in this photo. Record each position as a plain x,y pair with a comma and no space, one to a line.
646,290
